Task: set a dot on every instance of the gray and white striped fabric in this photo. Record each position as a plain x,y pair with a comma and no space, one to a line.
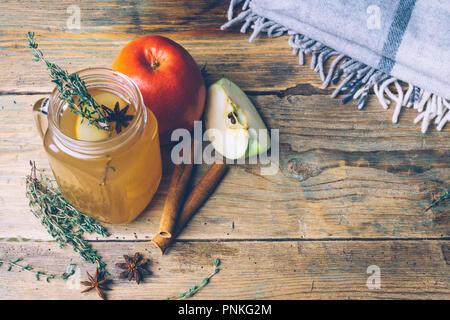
372,44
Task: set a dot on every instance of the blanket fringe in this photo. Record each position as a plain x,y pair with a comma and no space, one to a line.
354,79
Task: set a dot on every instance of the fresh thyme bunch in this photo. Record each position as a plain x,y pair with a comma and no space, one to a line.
63,222
70,86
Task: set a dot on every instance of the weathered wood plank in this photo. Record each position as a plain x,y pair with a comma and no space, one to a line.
249,270
342,174
307,122
106,26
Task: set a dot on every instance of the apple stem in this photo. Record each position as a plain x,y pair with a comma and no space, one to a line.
155,64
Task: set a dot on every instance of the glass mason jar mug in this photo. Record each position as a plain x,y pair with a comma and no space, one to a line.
112,179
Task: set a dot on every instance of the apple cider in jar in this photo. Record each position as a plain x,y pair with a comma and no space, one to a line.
110,174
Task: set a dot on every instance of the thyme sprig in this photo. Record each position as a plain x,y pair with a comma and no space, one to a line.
193,290
69,272
28,267
443,197
62,221
70,86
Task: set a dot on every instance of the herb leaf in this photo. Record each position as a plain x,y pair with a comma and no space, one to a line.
62,221
69,272
14,263
70,86
49,277
193,290
443,197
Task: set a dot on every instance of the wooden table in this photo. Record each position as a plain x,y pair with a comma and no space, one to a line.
351,191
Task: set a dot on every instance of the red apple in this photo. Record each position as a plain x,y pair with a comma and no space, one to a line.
169,79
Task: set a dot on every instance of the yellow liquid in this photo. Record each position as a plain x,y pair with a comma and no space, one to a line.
116,186
70,122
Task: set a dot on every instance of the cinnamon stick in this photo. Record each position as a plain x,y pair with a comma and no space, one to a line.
175,196
196,198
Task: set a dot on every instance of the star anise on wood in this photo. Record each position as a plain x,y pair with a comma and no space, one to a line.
120,117
134,267
96,283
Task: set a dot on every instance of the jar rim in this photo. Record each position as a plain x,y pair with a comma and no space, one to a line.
97,147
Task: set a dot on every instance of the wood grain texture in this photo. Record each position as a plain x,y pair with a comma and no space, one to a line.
249,270
351,189
335,180
106,26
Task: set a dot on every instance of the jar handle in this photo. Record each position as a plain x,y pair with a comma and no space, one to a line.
40,111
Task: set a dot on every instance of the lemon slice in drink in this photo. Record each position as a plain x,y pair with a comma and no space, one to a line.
88,132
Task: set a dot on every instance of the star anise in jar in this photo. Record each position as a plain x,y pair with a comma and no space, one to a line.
134,267
120,117
96,283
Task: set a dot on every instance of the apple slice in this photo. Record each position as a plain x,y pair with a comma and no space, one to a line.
88,132
233,124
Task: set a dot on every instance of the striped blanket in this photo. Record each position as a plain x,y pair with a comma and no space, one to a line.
399,49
